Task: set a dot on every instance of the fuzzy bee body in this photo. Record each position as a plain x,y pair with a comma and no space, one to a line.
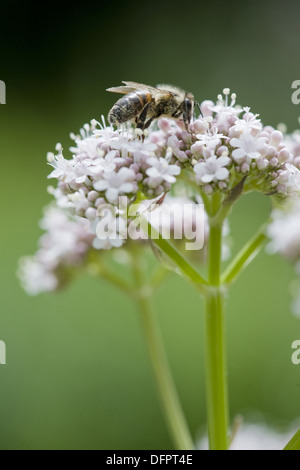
144,103
128,107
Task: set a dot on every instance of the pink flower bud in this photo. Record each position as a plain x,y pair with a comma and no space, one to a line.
92,196
276,138
261,163
206,108
208,189
91,213
199,126
272,152
223,150
284,156
274,162
164,125
297,162
245,168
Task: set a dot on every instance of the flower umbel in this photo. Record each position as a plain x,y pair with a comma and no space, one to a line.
225,146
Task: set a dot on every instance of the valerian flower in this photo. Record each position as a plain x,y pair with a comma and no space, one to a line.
248,148
116,184
212,170
223,147
160,171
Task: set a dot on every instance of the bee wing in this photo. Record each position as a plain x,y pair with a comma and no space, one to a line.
155,91
134,86
121,89
170,89
140,86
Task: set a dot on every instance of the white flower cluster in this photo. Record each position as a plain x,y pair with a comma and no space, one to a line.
223,147
292,141
64,245
229,144
284,234
108,164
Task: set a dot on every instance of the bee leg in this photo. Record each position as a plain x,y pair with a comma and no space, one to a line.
180,112
177,113
140,120
199,107
186,120
148,123
187,113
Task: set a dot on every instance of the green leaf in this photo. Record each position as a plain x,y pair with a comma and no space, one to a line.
294,443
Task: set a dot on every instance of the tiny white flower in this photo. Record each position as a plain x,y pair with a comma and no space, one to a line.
63,169
95,167
161,171
79,201
116,184
139,150
212,170
247,147
211,139
111,231
249,124
87,148
174,143
106,135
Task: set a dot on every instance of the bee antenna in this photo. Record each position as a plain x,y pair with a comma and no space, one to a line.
199,107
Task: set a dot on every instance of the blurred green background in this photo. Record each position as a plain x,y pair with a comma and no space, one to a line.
78,375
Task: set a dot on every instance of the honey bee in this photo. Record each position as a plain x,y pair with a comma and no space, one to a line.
144,104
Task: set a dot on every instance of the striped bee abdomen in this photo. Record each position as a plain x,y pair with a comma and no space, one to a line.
128,107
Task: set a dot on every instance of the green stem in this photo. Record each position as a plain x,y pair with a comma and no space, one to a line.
107,275
158,278
216,374
244,257
215,255
184,266
170,402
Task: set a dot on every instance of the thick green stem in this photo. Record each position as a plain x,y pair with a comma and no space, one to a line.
167,390
216,368
216,373
215,256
